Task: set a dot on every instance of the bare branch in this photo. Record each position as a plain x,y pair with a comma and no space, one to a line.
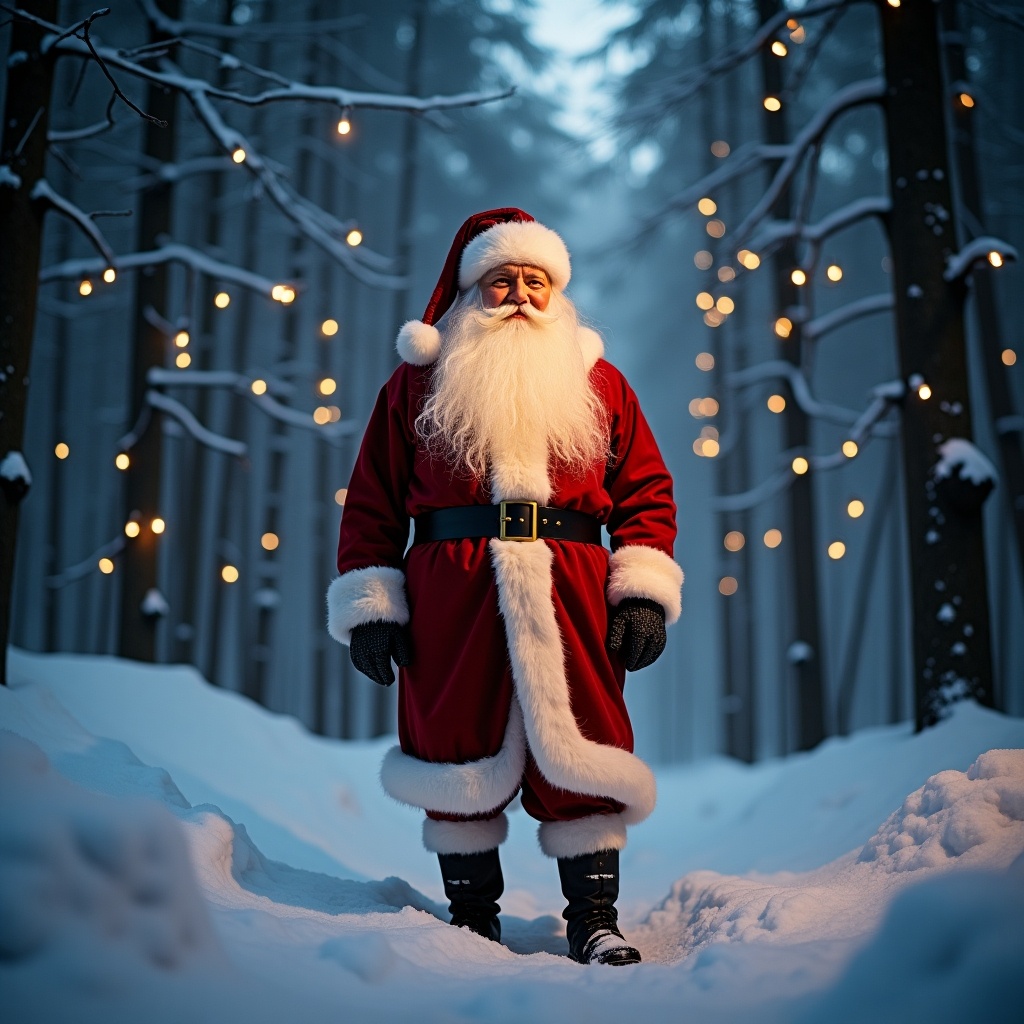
172,27
42,192
88,565
90,130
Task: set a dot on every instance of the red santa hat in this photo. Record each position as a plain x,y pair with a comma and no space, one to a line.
485,240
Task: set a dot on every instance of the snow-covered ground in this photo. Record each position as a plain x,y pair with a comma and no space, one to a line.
172,852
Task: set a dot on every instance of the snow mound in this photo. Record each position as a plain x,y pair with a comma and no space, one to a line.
81,869
955,813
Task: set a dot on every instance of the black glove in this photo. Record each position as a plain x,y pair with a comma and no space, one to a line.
637,630
374,644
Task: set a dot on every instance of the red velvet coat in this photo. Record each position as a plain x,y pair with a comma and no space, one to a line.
508,639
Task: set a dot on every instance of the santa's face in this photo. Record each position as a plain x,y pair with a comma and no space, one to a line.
516,285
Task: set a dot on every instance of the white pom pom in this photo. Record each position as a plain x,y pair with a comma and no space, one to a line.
419,343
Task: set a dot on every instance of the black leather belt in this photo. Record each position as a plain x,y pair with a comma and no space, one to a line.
511,520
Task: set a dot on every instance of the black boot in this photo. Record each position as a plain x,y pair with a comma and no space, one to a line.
473,883
591,885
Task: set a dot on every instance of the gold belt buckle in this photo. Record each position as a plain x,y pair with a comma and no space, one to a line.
505,518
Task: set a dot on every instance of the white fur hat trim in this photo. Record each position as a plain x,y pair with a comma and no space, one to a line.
523,243
419,343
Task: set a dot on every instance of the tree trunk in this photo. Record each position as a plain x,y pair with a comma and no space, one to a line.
806,647
149,347
23,158
949,599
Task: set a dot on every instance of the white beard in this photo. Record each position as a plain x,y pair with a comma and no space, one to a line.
508,394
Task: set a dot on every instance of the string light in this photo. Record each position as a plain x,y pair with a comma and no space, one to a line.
836,550
340,495
110,275
182,360
270,541
715,228
62,451
924,392
726,274
705,300
354,237
132,528
798,277
734,540
783,327
122,461
335,413
707,206
855,509
222,300
772,103
772,538
344,126
850,449
259,387
798,33
329,328
705,361
727,586
720,148
181,339
282,293
85,288
327,386
966,99
834,272
158,525
995,258
713,318
1008,356
229,574
238,155
725,305
749,259
106,566
776,403
779,48
893,3
800,465
321,415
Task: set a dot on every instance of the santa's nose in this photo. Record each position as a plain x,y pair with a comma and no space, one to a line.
518,293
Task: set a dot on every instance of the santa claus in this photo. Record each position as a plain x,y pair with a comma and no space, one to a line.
510,442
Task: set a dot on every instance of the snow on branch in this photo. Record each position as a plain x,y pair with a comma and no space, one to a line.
42,192
978,250
870,304
171,253
772,232
864,428
675,93
86,566
202,434
867,91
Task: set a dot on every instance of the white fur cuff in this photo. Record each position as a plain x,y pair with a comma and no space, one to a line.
582,836
464,836
641,571
419,343
365,595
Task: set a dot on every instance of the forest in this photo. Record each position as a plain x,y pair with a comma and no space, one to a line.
796,225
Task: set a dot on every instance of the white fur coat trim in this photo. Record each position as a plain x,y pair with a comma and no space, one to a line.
592,345
640,571
475,787
565,757
464,836
365,595
524,244
419,343
582,836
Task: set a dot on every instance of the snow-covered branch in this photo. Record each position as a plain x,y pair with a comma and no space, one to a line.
978,250
87,565
867,91
772,232
671,94
867,306
864,428
202,434
42,192
170,253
